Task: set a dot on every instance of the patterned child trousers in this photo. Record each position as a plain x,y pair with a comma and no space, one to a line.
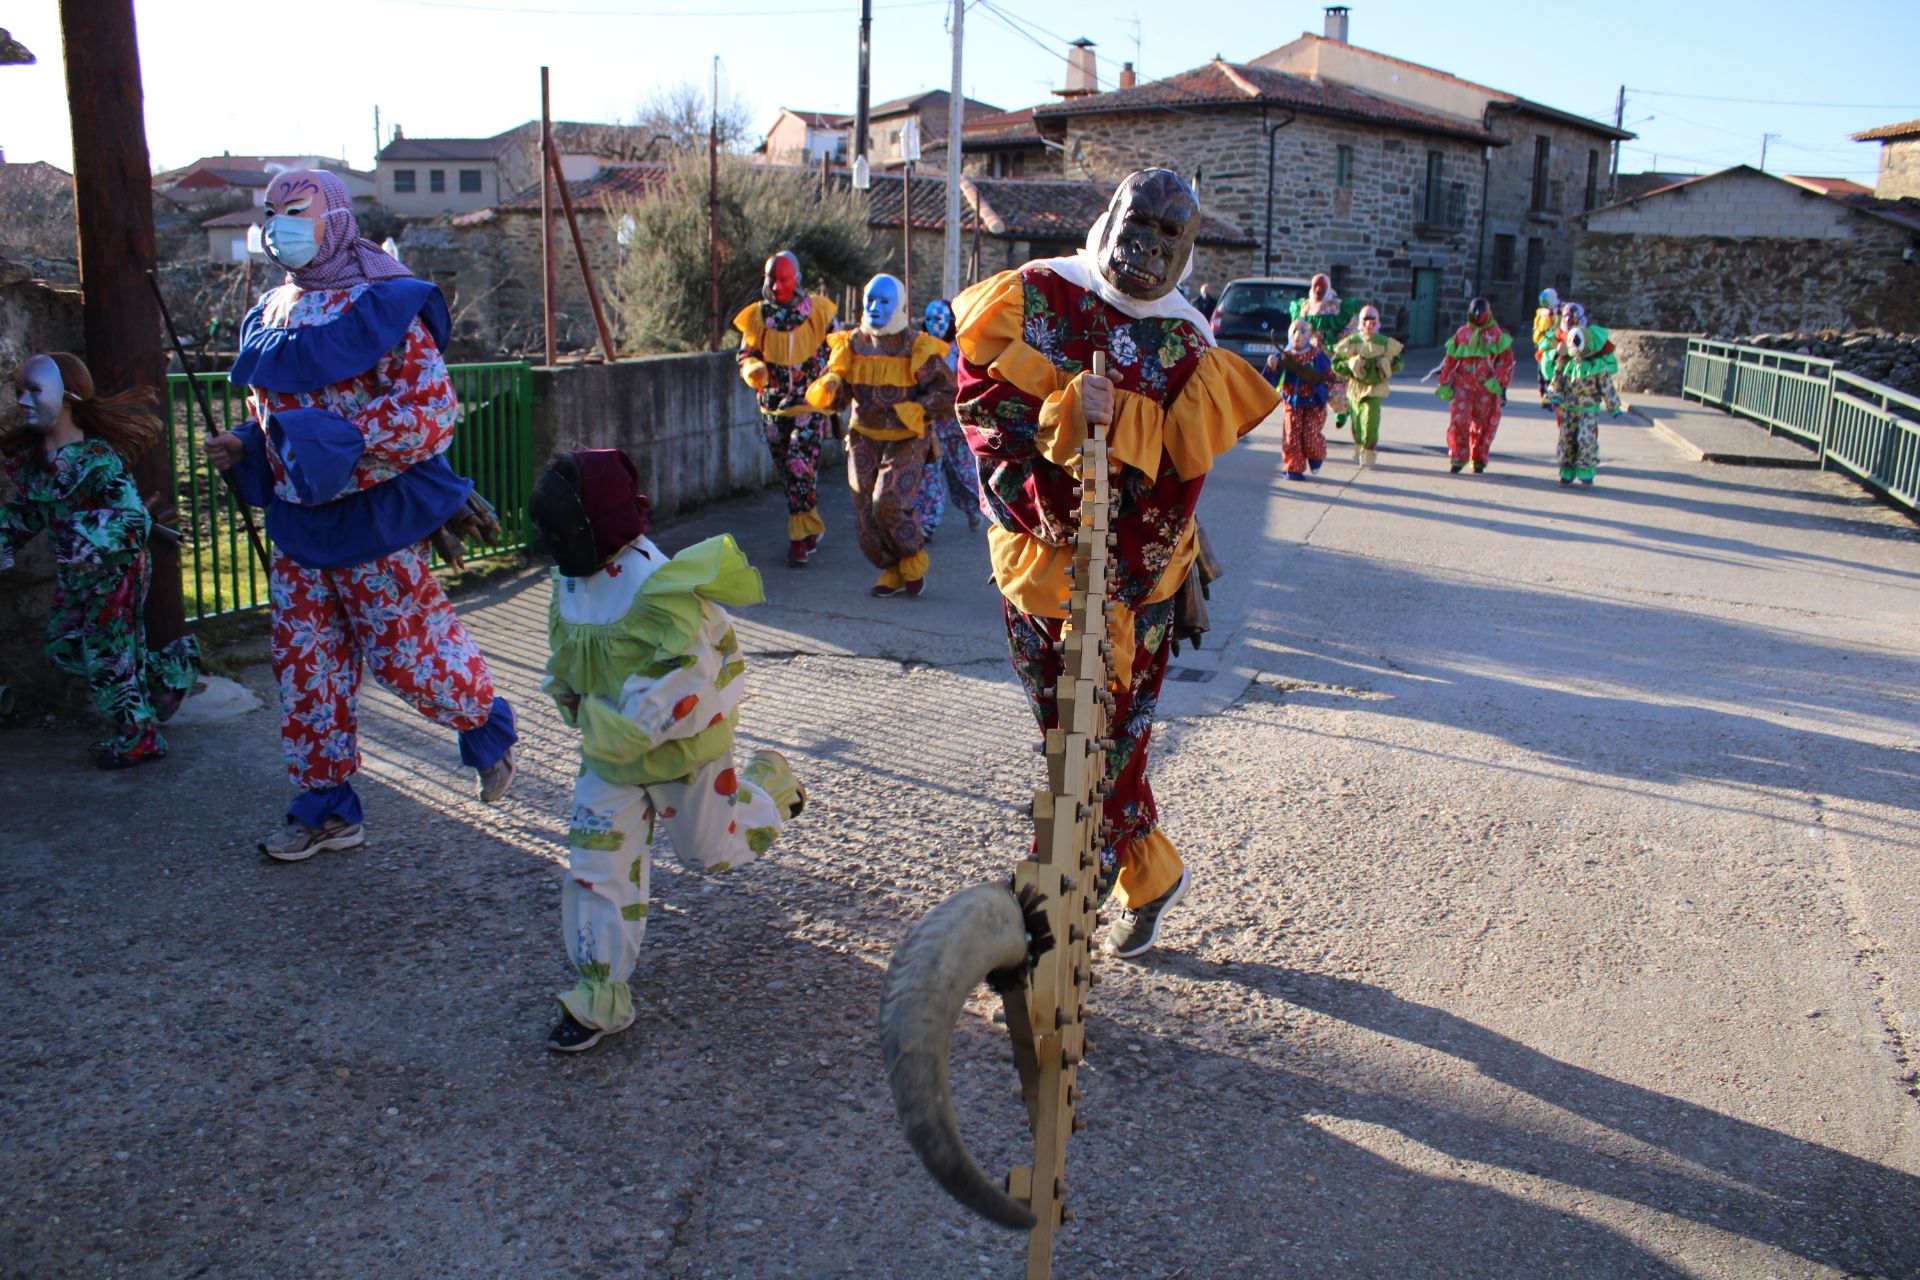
794,443
1471,425
1303,438
886,477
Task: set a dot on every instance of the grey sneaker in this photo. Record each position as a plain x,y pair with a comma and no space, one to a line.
298,842
1134,930
495,781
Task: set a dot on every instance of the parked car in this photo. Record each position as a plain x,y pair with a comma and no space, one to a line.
1252,316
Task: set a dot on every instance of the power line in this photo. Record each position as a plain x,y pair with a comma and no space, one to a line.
545,11
1776,102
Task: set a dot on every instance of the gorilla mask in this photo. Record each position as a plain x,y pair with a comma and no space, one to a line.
883,307
780,283
1150,228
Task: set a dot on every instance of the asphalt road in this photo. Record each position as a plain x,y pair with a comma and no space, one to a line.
1555,914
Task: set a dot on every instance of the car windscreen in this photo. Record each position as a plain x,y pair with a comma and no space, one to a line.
1261,302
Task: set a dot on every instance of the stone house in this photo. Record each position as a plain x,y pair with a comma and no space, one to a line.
886,122
1899,159
227,234
421,177
1546,166
1323,177
1004,144
1742,251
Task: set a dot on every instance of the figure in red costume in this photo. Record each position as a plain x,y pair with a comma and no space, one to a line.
1475,377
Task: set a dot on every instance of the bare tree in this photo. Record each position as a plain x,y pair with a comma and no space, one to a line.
677,116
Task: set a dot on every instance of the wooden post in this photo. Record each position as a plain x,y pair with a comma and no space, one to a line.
579,247
713,215
113,207
547,170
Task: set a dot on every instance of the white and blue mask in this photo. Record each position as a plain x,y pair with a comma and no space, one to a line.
290,241
939,319
884,305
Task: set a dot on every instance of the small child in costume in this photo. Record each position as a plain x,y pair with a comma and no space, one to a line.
1580,369
1546,334
1367,360
68,461
646,664
1303,374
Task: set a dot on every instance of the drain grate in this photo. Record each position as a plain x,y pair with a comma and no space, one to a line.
1191,675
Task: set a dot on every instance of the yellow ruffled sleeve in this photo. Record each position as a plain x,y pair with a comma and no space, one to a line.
1223,400
828,392
749,324
989,315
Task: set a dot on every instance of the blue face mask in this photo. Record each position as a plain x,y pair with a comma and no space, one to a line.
882,301
939,319
290,241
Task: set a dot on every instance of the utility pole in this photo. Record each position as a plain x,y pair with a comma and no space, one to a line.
113,210
376,135
860,106
956,158
1765,138
547,168
1619,118
713,214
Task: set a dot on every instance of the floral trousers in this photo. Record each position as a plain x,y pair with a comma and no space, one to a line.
794,443
1303,437
1471,423
718,818
886,476
389,614
1134,856
96,630
1579,441
952,475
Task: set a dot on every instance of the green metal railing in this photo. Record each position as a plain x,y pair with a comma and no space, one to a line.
219,571
1860,427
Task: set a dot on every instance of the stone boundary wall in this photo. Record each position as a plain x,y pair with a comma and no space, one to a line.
688,421
1651,362
1891,359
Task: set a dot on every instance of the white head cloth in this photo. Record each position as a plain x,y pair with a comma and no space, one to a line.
1083,269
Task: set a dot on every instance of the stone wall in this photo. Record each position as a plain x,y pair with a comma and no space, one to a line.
688,421
1724,284
34,316
1891,359
1650,362
1373,228
1899,169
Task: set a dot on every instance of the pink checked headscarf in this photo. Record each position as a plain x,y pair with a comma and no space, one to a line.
1329,303
347,258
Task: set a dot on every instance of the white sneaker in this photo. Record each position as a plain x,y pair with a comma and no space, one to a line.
298,842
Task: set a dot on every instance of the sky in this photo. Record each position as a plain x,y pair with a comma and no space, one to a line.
1704,80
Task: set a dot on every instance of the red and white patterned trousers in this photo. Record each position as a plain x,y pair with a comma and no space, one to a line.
1473,419
389,614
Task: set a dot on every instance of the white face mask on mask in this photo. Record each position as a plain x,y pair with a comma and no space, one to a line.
290,241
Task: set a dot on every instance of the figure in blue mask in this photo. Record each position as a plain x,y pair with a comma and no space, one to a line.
897,382
952,471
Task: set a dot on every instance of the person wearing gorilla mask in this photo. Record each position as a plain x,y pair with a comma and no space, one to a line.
783,348
896,382
1170,403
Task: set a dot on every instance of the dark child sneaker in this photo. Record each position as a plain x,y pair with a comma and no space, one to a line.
569,1036
494,781
1457,465
1479,467
298,841
1134,930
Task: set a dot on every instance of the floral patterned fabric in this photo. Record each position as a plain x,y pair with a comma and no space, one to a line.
90,509
886,477
1474,376
783,389
390,615
404,405
794,443
950,476
1303,440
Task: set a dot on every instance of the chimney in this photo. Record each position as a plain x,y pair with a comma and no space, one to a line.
1127,78
1081,78
1337,22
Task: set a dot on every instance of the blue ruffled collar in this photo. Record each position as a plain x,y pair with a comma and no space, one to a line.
306,359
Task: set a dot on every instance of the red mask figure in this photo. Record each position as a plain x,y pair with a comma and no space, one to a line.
1480,313
781,284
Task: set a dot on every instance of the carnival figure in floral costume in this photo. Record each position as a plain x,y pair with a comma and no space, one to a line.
1331,316
896,382
950,472
645,663
1368,359
353,415
783,348
1581,368
1474,378
68,459
1170,403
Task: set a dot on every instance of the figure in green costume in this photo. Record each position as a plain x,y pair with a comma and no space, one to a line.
1331,316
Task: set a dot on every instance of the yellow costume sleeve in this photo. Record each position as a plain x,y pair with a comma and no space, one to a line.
828,392
749,324
1223,400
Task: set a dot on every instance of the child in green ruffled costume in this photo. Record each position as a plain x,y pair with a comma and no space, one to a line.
646,664
1580,371
1329,316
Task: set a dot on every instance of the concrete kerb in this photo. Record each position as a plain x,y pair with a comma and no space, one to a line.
1707,435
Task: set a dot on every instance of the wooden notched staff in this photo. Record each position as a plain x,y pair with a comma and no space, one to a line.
1031,939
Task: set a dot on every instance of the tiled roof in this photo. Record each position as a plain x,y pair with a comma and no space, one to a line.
886,197
1224,84
818,119
1903,212
614,185
1002,129
933,100
34,175
1888,132
238,218
1829,186
1062,209
442,149
1631,186
232,177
